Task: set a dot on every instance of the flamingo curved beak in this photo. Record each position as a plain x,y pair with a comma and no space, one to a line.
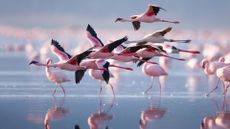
33,62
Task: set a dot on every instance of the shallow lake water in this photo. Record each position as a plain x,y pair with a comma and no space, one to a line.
26,101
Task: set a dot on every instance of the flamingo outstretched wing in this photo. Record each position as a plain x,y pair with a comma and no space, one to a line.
91,35
59,51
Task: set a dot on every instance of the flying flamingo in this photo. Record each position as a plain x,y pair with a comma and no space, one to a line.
92,64
106,50
210,68
149,16
149,52
153,70
66,62
129,54
56,77
157,37
174,50
224,75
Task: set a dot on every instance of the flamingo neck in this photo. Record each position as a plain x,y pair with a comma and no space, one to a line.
180,59
125,20
120,67
189,51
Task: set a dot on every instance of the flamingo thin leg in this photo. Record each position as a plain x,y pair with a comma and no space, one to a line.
217,84
112,89
63,90
54,91
150,87
160,87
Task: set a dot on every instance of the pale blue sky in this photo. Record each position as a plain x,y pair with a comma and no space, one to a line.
193,14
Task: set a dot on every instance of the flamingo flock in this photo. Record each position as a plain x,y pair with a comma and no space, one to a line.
97,58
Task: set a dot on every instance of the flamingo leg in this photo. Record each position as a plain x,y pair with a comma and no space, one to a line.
112,89
160,87
63,90
217,84
150,87
226,89
100,88
54,91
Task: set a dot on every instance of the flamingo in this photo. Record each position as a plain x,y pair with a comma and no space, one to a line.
103,75
157,37
153,70
172,49
92,64
224,75
149,52
56,77
210,68
129,54
149,16
106,50
66,61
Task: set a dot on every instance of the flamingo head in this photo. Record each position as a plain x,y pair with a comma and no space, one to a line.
221,59
48,61
33,62
203,63
119,19
175,50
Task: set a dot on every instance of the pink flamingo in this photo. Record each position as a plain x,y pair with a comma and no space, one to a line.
103,75
56,77
106,50
129,54
92,64
210,68
149,16
224,75
153,70
157,37
66,61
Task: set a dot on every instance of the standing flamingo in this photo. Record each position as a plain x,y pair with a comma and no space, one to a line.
153,70
56,77
224,75
102,75
210,68
149,16
157,37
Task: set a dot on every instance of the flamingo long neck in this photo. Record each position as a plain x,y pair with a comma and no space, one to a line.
171,57
126,20
47,71
49,65
144,67
135,41
120,67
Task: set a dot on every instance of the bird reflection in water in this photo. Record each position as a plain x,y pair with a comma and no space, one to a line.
57,112
222,118
151,113
100,119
